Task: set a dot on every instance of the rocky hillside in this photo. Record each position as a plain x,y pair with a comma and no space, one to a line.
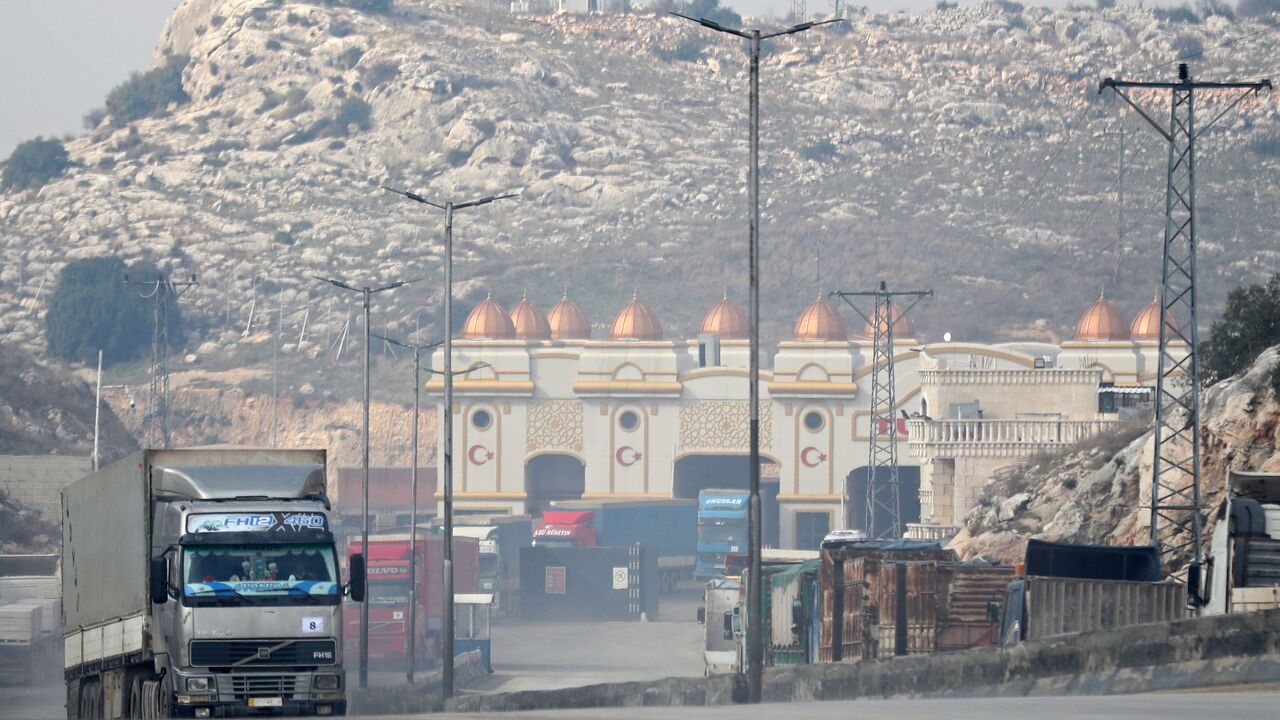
1101,493
966,147
46,410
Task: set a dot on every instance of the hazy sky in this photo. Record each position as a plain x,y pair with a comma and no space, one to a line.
58,58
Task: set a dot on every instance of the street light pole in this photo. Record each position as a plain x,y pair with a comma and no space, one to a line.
446,668
366,295
755,598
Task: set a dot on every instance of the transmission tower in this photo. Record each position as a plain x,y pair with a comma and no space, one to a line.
1177,510
882,495
163,291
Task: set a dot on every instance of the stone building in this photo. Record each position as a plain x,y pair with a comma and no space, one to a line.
551,412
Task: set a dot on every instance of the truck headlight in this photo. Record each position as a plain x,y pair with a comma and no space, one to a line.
199,684
327,682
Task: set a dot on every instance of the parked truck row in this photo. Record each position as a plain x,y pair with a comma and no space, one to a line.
30,617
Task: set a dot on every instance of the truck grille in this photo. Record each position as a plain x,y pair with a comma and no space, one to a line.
246,686
263,653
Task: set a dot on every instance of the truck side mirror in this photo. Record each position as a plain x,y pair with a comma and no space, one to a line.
797,616
1193,585
702,615
728,625
993,611
357,585
159,581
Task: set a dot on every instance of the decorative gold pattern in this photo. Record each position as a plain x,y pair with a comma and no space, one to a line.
721,426
555,425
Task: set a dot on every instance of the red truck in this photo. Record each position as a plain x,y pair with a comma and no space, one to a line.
388,594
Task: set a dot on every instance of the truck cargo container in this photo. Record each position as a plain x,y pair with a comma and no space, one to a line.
1071,589
387,568
1242,572
30,618
669,527
203,582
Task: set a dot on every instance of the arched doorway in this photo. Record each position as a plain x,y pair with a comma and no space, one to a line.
552,477
908,497
695,473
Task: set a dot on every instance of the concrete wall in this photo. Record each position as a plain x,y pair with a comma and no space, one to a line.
1204,652
36,481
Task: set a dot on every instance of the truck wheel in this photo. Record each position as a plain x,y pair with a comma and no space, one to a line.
134,709
73,700
164,708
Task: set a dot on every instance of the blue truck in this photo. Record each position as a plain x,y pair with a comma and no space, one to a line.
722,530
668,526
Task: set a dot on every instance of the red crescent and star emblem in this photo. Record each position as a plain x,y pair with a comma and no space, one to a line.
806,456
627,456
479,455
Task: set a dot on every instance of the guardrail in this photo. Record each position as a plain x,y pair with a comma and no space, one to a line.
928,438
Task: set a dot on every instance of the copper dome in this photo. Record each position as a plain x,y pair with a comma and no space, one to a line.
819,322
567,321
901,323
1146,325
725,320
529,322
635,322
1102,322
488,321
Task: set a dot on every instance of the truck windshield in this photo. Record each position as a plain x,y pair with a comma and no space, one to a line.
488,565
555,542
260,574
709,533
388,593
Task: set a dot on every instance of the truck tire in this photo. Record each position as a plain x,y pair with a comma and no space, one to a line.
73,700
134,709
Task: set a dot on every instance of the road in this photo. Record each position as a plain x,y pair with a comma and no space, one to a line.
547,655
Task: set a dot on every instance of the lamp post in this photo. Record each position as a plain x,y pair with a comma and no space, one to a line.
413,487
366,293
446,669
755,605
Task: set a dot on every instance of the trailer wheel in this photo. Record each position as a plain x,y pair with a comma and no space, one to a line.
134,709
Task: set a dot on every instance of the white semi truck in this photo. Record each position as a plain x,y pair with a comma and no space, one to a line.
1242,571
203,583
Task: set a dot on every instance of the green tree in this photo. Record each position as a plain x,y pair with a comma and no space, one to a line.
34,163
1249,325
148,94
93,309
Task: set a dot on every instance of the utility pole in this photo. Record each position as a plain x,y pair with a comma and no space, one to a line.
366,293
413,481
446,669
162,292
755,596
882,449
1177,510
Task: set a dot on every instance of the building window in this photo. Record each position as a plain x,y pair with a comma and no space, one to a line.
811,527
629,420
481,419
814,421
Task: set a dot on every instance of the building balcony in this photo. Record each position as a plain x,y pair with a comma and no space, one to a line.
923,531
998,438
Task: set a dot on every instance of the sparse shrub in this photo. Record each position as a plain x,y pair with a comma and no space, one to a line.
351,57
820,151
380,73
945,5
1013,8
1105,4
272,44
340,28
709,9
1187,47
688,50
148,94
1177,14
93,309
1210,8
295,103
34,163
1266,145
368,6
1250,324
353,111
1257,8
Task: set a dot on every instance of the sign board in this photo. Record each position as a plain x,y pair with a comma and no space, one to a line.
256,522
620,578
555,582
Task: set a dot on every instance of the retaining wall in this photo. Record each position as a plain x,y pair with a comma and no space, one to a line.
1202,652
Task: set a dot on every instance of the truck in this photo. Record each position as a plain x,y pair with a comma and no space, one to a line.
500,537
1242,571
722,530
667,526
30,617
204,582
387,569
1065,589
721,648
